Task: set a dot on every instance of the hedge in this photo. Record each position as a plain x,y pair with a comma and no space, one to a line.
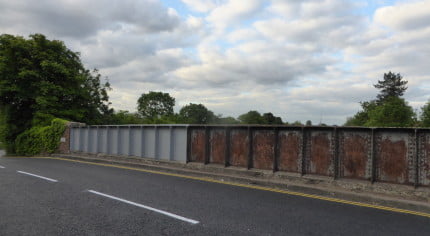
40,140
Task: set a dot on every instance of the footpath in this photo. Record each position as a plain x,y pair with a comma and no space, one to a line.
381,194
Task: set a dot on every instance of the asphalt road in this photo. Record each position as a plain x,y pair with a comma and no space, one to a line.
56,197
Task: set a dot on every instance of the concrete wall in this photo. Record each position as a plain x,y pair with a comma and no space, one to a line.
392,155
162,142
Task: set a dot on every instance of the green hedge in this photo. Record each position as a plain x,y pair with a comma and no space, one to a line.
40,140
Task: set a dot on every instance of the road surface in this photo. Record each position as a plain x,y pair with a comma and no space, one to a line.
58,197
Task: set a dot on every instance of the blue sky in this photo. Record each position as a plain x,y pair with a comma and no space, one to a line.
301,60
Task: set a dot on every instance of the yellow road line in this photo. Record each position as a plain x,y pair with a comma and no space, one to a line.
330,199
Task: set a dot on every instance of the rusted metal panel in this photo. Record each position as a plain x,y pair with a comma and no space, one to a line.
198,143
290,146
264,149
217,146
239,147
424,159
355,154
395,157
320,156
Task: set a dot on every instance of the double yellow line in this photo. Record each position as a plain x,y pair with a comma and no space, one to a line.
330,199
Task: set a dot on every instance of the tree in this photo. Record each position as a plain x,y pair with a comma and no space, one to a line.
391,86
308,123
196,114
297,123
394,112
391,90
361,117
41,79
425,115
122,117
227,120
270,119
154,105
251,117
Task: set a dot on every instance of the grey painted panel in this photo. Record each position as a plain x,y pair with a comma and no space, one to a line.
180,144
113,141
164,143
93,140
102,145
123,141
136,141
75,139
84,138
149,142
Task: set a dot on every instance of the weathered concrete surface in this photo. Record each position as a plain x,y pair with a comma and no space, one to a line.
395,157
320,156
239,148
198,142
355,155
264,149
424,161
217,146
290,154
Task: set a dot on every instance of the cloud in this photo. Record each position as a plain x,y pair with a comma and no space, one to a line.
78,19
302,60
405,16
201,5
232,12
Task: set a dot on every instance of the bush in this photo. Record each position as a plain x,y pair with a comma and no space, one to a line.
39,140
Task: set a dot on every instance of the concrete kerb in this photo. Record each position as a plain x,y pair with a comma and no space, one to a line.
389,195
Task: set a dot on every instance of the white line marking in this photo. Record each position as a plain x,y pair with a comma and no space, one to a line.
2,167
146,207
38,176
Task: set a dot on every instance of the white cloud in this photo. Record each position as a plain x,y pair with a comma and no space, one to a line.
405,16
310,59
232,12
201,5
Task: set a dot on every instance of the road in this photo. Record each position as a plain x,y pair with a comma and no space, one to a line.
58,197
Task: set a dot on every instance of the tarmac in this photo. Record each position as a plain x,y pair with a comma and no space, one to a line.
381,194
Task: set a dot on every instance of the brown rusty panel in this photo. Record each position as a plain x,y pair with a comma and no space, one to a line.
392,160
198,141
354,155
320,154
263,149
289,151
424,162
217,146
239,148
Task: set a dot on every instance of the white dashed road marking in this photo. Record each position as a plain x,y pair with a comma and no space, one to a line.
38,176
146,207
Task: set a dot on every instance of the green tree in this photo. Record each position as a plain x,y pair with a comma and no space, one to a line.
425,115
251,117
270,119
394,112
227,120
361,117
297,123
196,114
391,86
41,79
122,117
154,105
308,123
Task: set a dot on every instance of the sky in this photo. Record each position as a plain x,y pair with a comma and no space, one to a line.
299,59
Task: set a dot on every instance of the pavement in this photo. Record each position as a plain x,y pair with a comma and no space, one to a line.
58,196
